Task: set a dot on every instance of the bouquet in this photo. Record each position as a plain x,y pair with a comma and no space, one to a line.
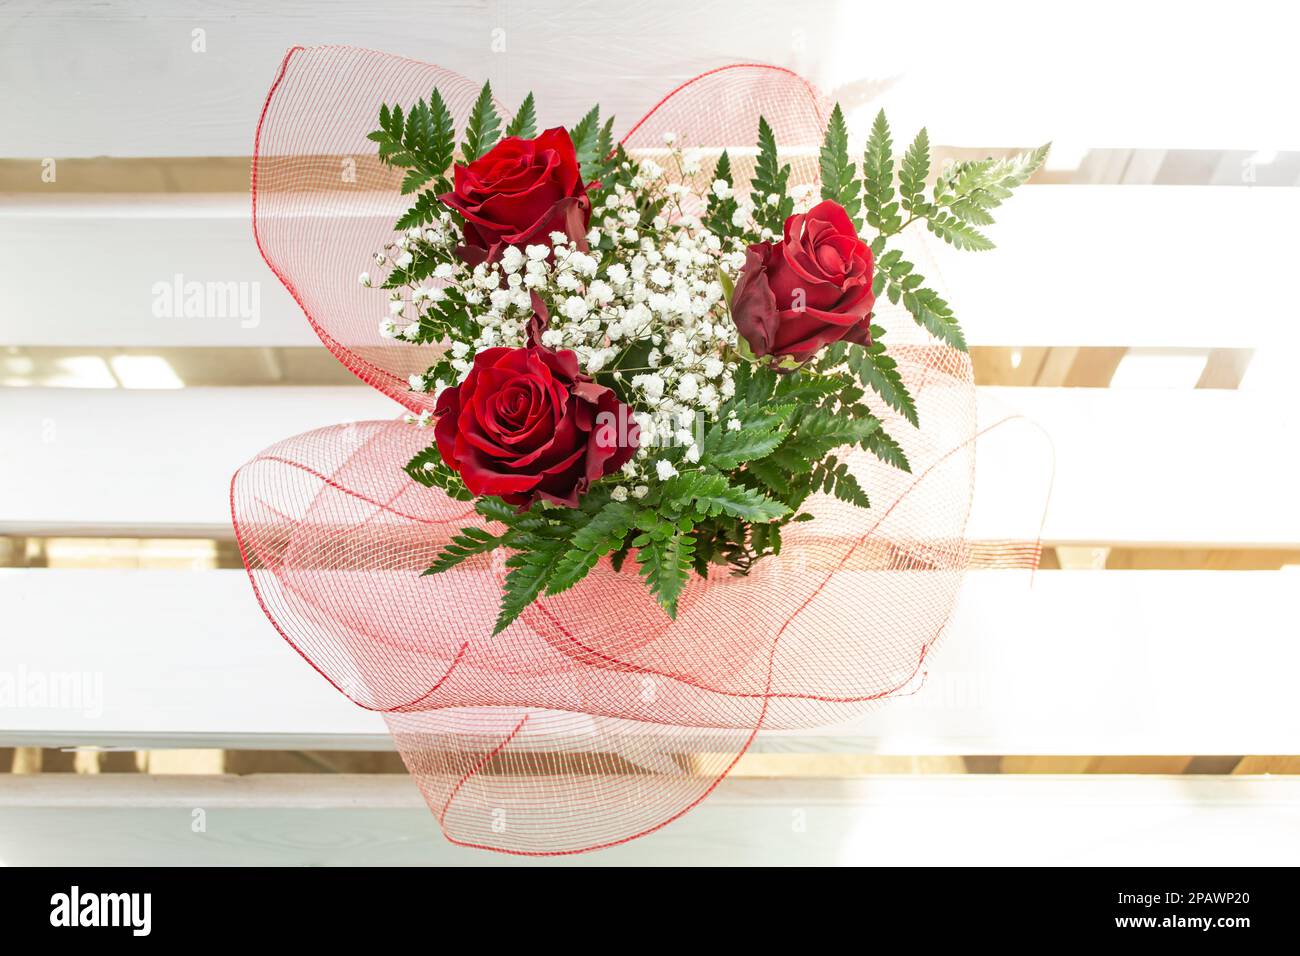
689,440
645,360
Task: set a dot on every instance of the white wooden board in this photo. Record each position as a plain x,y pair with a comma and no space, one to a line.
1139,466
1109,662
983,820
1075,266
127,80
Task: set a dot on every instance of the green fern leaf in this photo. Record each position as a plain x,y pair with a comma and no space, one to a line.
603,533
958,233
913,172
665,565
879,197
880,444
469,542
879,372
935,315
483,128
524,125
705,494
839,175
530,571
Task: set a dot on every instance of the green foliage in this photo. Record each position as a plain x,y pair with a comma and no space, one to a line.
879,198
935,315
702,494
427,468
469,542
838,173
524,125
903,284
593,144
877,371
761,430
531,567
603,533
484,126
819,431
666,554
833,477
951,229
770,179
913,173
424,211
422,142
719,213
970,189
880,444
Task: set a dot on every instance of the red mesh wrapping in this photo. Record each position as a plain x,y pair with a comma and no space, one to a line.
594,718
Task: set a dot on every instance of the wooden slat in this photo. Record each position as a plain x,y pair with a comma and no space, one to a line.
161,460
893,820
132,85
1063,275
1132,466
1111,662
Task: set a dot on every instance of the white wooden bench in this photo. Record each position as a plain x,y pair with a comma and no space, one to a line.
1160,663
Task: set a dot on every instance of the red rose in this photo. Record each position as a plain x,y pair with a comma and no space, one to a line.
526,424
809,290
518,193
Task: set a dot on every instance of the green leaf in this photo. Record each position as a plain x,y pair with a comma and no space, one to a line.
839,182
604,146
530,571
773,476
666,564
833,477
880,444
469,542
957,233
934,314
425,210
704,494
585,138
879,372
770,179
484,126
971,188
427,468
524,125
819,431
422,142
912,174
603,533
761,430
723,169
879,198
719,214
494,509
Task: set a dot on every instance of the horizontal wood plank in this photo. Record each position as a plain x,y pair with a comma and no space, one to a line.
1109,662
286,819
131,81
1132,466
1063,273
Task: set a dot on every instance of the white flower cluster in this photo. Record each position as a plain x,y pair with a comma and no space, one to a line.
645,306
405,304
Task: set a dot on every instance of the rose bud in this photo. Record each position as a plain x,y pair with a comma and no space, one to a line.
526,424
809,290
518,193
